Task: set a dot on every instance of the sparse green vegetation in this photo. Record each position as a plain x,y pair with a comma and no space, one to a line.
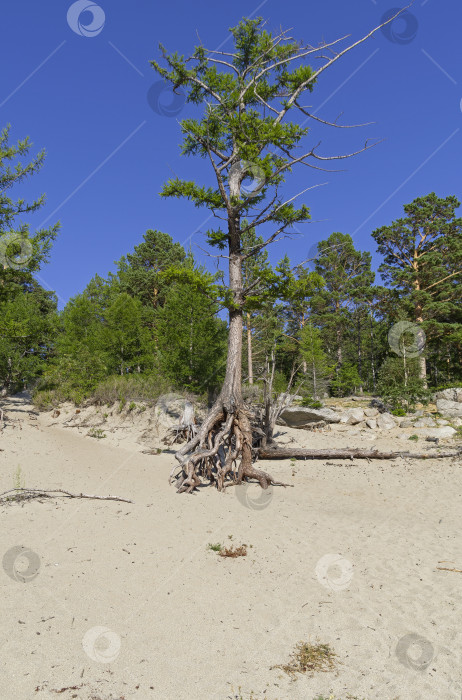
96,433
309,658
215,547
18,479
414,437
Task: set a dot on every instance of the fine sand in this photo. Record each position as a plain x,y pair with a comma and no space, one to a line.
112,600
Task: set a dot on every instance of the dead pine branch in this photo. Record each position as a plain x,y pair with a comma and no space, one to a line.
24,494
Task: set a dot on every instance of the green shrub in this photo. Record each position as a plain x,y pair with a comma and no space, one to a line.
310,402
401,387
399,411
130,387
347,381
96,433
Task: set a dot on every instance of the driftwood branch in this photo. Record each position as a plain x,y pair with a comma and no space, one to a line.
296,453
24,494
443,568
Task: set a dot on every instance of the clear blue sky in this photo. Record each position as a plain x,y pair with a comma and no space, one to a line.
84,98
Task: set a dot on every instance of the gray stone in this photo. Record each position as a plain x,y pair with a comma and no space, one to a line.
298,416
355,415
450,409
441,421
385,421
457,422
425,423
406,423
440,433
371,412
377,403
449,395
371,423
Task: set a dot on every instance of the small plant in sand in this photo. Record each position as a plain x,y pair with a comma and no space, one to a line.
18,479
233,552
413,437
309,658
131,406
215,547
96,433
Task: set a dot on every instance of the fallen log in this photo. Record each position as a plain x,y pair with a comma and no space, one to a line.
298,453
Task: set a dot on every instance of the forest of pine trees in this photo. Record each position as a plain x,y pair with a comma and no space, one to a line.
156,325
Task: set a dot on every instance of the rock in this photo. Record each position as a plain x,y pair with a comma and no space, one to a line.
298,416
378,404
419,413
457,422
355,415
441,421
450,409
440,433
425,423
449,395
371,423
406,423
385,421
371,412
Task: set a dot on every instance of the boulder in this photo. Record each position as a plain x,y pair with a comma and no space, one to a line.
371,412
425,423
449,395
450,409
377,403
440,433
355,415
385,421
298,416
371,423
406,423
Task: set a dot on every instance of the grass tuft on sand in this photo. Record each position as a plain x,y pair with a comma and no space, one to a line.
309,658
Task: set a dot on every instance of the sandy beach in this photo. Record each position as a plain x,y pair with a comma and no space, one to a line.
112,600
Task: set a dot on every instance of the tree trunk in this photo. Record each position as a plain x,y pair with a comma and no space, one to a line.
418,315
372,353
249,349
226,433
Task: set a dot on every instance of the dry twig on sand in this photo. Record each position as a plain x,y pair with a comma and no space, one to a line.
23,494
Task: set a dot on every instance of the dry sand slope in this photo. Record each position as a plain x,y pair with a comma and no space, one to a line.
126,601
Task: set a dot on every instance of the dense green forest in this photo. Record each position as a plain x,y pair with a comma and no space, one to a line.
157,324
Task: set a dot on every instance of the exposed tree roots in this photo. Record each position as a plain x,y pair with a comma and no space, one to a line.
223,440
223,449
